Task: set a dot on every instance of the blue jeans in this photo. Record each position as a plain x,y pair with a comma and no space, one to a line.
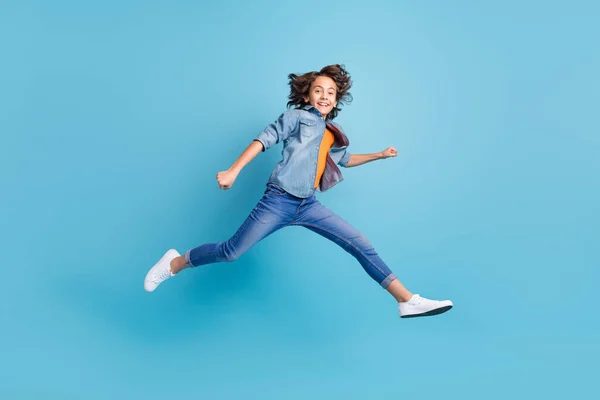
278,209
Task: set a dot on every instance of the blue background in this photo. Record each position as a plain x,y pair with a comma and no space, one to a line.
116,116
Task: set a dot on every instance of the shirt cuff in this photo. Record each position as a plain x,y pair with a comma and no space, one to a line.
345,159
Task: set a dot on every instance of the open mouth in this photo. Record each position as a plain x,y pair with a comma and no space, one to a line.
323,104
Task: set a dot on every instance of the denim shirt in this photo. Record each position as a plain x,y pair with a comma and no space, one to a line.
301,131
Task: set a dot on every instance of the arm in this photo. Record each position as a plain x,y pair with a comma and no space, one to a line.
274,133
226,178
360,159
248,155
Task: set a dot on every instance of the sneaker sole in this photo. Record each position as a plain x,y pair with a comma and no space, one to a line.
436,311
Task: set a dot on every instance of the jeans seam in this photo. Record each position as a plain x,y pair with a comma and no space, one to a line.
297,212
350,243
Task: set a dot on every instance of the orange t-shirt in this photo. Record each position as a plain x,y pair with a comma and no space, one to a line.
326,143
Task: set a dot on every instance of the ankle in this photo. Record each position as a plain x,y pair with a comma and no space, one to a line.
177,264
403,298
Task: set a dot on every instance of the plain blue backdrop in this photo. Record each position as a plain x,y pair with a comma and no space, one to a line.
116,116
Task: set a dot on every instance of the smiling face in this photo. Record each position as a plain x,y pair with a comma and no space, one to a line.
322,95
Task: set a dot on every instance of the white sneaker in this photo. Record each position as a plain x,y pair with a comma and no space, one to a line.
419,306
160,272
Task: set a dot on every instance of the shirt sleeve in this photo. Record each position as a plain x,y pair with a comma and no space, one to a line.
345,159
341,156
278,131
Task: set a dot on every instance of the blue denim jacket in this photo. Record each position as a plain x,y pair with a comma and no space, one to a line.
301,131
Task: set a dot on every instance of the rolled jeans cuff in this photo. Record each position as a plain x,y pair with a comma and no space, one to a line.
187,258
386,282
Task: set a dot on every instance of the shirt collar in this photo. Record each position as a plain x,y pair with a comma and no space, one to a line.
312,109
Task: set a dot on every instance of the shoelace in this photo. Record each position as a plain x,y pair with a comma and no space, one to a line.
161,276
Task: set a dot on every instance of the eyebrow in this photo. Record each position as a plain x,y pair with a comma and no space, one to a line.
330,87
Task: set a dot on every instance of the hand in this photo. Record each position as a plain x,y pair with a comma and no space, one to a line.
389,152
225,179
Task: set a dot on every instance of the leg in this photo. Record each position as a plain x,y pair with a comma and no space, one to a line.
326,223
249,233
275,210
319,219
272,213
398,291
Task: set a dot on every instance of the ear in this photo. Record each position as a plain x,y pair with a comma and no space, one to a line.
306,99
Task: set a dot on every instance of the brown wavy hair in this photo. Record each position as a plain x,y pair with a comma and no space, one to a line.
300,87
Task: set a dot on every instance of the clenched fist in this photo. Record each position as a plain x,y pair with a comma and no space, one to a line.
389,152
225,179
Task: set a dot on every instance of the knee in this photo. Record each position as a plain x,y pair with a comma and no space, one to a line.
230,256
367,250
229,253
370,250
362,243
